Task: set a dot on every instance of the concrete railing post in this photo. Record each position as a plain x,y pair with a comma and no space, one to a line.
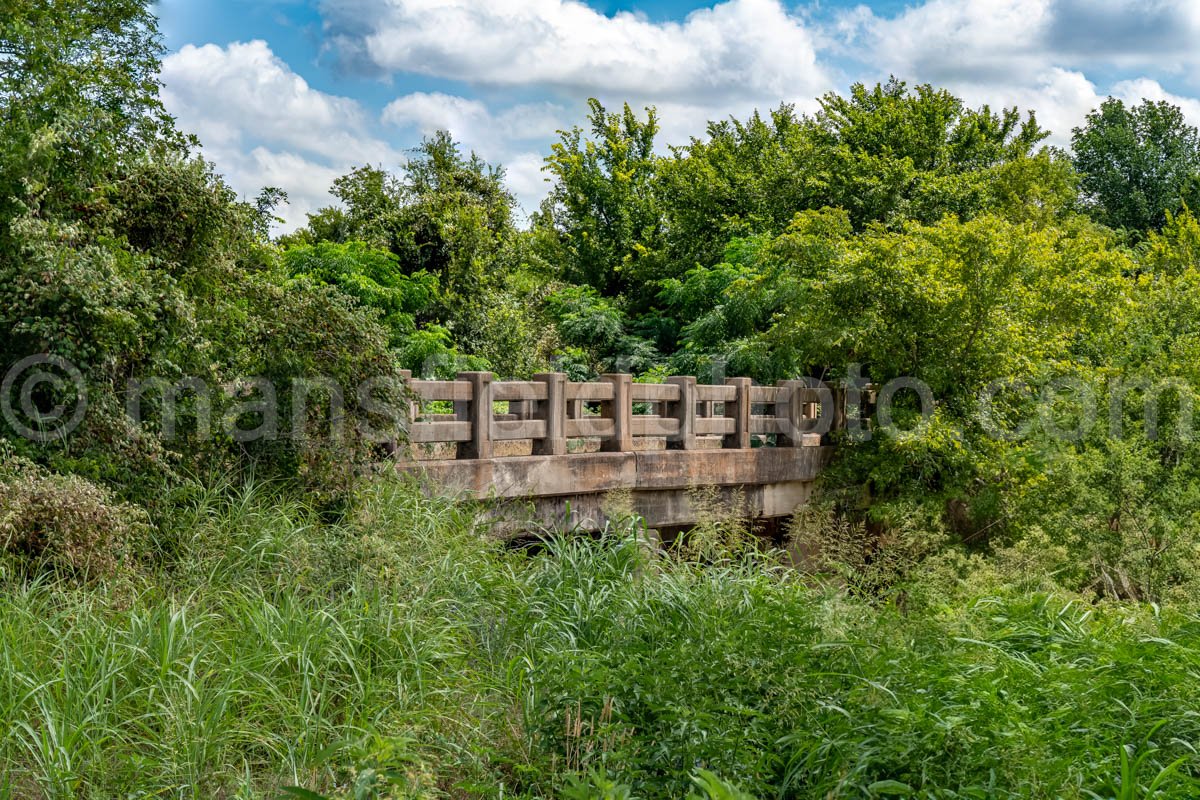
839,408
739,411
392,446
684,412
411,408
789,412
477,411
554,412
620,411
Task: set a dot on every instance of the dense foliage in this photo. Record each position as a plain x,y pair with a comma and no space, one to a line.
1137,164
124,254
999,597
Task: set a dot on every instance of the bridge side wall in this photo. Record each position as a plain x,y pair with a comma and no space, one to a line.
625,421
592,473
576,490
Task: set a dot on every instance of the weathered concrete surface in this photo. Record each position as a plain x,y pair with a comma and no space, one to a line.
576,490
587,473
658,507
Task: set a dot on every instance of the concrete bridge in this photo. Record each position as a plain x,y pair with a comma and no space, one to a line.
558,449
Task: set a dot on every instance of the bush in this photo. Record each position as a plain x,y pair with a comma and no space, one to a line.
65,523
320,351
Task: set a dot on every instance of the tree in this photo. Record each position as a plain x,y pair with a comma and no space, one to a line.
897,154
456,215
446,213
742,179
79,112
596,330
78,92
1137,163
124,254
887,154
724,309
960,306
929,127
372,277
1127,498
447,217
602,206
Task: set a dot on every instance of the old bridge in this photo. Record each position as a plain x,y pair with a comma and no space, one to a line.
559,449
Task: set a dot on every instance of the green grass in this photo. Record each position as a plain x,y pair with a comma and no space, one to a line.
404,653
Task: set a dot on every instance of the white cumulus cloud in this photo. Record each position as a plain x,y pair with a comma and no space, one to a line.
263,125
1046,55
727,50
724,60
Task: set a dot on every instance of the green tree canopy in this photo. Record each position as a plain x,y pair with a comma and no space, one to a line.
602,207
959,306
446,213
1137,164
884,154
78,93
370,276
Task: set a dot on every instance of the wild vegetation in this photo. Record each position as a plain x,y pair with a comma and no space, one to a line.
402,652
1001,596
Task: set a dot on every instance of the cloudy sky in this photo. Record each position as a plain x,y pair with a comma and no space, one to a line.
293,93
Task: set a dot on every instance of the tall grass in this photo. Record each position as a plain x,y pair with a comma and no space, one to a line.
404,652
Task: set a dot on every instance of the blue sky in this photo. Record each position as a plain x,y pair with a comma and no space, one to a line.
293,93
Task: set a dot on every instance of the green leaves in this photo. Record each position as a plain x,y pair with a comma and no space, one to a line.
594,325
889,788
602,207
1137,164
373,277
78,93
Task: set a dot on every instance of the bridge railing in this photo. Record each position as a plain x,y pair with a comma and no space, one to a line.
474,412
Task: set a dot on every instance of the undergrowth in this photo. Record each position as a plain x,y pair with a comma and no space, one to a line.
403,652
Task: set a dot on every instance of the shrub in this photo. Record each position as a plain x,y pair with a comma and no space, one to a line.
321,352
66,523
